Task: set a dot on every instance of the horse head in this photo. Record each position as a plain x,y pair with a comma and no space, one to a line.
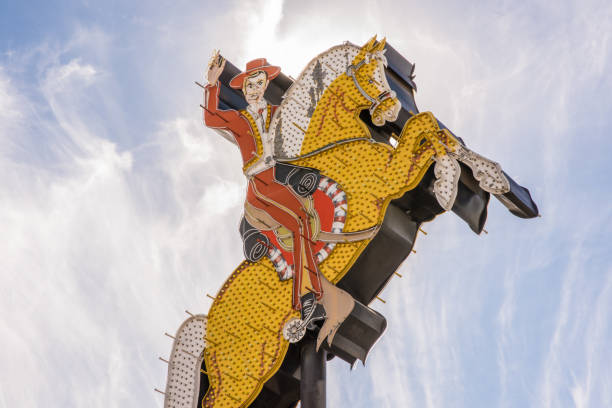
368,73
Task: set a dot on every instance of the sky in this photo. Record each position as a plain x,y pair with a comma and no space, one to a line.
120,209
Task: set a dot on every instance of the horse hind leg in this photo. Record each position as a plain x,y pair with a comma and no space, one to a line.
244,341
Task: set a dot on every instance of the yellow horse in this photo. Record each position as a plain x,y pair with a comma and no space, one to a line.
318,126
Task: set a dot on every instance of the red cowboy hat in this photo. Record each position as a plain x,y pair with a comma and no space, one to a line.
259,64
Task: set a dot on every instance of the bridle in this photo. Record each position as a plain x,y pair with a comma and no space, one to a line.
375,103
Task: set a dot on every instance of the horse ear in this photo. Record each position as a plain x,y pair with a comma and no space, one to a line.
381,45
363,51
367,47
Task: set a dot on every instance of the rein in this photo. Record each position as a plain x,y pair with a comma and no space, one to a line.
375,103
321,149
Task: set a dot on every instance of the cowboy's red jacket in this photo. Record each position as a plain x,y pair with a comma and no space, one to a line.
240,123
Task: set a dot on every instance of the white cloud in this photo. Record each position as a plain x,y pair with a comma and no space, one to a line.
578,349
120,210
8,104
10,113
92,244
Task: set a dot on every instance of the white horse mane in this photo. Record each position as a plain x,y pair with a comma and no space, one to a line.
299,102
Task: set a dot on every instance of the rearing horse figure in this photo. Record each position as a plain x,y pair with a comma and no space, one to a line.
318,126
251,321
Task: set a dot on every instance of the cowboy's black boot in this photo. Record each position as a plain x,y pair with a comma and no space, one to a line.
312,311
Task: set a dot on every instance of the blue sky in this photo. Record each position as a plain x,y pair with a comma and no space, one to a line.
120,209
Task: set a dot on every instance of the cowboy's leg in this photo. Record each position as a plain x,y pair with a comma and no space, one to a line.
290,221
286,208
282,203
309,260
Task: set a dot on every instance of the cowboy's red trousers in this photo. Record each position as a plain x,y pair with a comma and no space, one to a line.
285,206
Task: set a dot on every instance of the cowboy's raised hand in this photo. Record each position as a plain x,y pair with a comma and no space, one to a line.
215,67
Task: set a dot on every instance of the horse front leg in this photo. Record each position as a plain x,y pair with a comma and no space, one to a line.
420,143
447,169
447,152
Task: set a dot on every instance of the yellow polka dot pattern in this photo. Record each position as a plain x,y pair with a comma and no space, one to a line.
245,345
244,341
334,118
372,174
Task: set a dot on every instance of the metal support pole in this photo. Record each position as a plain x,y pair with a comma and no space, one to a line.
312,373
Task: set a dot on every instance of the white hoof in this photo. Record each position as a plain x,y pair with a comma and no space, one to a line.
447,172
489,174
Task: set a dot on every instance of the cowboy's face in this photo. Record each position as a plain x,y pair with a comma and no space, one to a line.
254,87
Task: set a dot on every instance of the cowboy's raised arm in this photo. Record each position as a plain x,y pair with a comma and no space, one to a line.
213,117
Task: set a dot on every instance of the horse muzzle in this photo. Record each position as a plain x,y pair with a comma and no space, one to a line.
386,111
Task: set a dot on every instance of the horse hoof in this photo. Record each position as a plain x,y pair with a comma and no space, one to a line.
294,330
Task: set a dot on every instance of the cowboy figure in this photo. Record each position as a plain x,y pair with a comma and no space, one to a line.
282,201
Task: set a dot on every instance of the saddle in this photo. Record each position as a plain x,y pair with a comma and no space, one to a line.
304,182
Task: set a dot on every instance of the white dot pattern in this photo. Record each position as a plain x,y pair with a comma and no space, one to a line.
447,172
183,382
291,120
488,173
